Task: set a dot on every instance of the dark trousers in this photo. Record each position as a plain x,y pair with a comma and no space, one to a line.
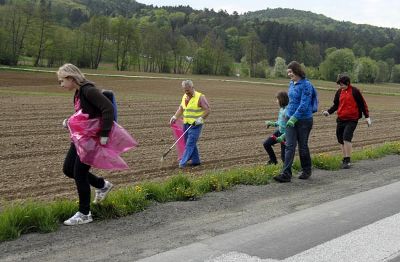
345,130
269,142
298,135
74,168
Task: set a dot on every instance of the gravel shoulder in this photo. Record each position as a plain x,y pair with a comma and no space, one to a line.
162,227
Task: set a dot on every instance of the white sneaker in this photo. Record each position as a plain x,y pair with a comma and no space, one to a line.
101,193
79,219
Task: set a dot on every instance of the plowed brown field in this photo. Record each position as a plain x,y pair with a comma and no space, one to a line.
33,142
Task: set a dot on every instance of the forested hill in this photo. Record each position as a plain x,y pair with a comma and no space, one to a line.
180,39
291,16
327,32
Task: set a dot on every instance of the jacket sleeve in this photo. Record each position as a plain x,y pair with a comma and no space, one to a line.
362,105
104,105
335,105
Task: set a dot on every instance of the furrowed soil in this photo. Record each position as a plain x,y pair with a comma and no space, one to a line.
33,142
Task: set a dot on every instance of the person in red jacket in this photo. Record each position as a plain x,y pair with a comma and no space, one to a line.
350,106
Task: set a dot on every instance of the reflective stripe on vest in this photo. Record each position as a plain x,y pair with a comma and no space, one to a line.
191,111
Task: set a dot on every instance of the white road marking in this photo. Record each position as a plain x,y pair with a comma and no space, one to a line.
379,241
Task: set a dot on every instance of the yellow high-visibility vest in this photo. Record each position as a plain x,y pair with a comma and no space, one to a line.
191,111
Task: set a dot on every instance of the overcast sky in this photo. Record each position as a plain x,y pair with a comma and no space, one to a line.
384,13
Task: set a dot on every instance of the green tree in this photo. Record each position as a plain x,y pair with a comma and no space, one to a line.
262,69
63,47
339,61
16,20
299,52
359,50
366,70
124,37
234,43
330,50
205,58
211,57
182,54
255,52
312,72
312,54
280,67
177,20
395,75
178,45
96,33
383,53
307,53
44,23
383,72
155,46
163,51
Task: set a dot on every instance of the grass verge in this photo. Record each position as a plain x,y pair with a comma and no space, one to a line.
43,217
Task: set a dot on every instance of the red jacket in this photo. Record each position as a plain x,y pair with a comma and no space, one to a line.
350,104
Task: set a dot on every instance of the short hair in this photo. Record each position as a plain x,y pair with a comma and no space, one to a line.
343,78
187,83
297,69
283,98
70,70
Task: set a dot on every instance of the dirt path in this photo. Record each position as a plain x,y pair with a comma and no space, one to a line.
165,226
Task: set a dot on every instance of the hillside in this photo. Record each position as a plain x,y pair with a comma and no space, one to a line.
296,17
125,32
289,16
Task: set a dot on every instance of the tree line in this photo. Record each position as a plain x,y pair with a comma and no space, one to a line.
180,40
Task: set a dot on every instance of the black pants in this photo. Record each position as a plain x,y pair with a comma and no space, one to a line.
74,168
269,142
345,130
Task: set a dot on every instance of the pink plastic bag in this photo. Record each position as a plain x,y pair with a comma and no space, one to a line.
177,131
84,135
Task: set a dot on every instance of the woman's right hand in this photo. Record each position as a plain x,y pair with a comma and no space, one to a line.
65,123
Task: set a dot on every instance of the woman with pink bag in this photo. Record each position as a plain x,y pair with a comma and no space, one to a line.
94,140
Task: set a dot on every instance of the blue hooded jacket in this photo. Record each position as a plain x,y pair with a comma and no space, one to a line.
300,97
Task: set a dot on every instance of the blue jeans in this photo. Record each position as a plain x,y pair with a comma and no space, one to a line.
298,135
191,152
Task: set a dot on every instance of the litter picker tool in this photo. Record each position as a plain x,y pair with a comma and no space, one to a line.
169,149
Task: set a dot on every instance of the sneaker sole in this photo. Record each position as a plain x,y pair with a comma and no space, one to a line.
79,223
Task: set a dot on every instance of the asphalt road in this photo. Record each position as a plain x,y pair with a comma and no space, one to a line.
361,227
276,222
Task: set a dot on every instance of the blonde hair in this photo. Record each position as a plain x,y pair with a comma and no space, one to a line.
70,70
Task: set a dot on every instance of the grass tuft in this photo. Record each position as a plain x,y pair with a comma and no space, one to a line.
22,218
